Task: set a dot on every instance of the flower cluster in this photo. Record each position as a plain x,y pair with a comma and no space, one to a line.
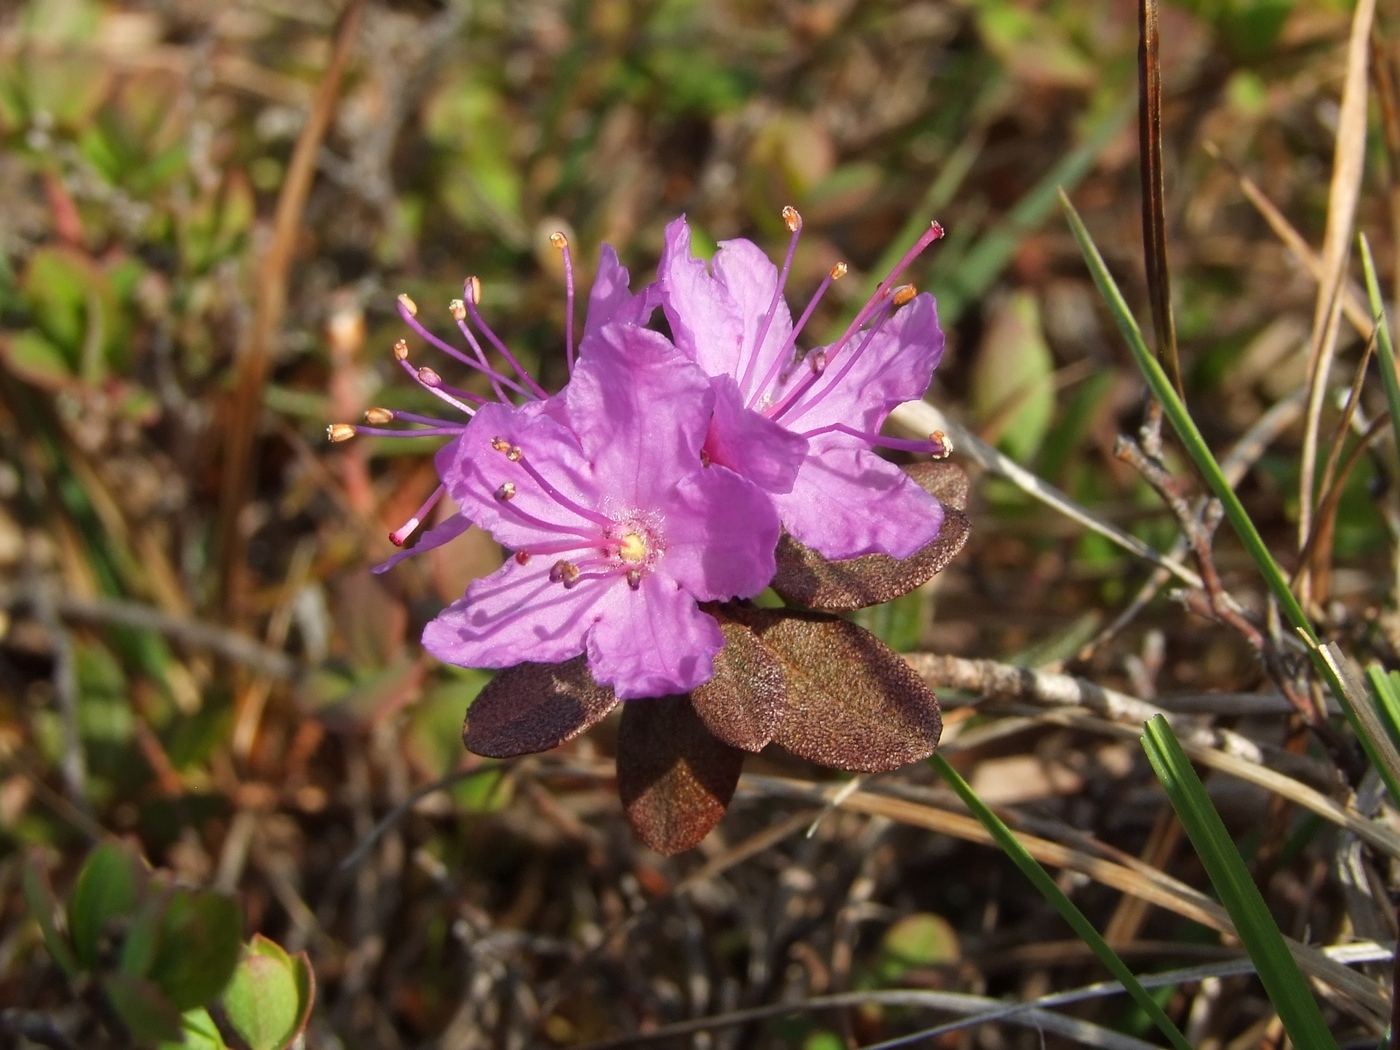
670,480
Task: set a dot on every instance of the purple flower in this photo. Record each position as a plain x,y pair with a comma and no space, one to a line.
619,529
804,427
610,302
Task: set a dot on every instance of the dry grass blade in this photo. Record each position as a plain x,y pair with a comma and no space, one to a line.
919,417
1154,220
1128,877
255,358
1353,300
1347,168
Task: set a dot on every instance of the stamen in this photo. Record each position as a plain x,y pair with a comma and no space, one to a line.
522,557
408,310
477,320
800,391
816,361
562,243
459,314
793,221
430,381
634,579
378,416
564,572
506,491
933,233
400,535
446,430
506,503
338,432
515,455
834,274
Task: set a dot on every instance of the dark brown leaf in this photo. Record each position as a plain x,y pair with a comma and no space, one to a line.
674,776
853,703
744,702
804,577
534,707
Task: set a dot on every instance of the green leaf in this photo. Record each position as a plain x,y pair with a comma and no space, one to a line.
1040,878
1283,981
1386,687
269,998
199,1033
109,887
1013,392
917,940
201,934
43,906
1385,348
147,1014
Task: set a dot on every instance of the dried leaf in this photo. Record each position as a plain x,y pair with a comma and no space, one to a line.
675,777
535,707
853,703
745,700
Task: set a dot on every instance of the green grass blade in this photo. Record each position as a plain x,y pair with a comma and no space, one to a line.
1283,981
1385,349
1379,749
1386,686
1040,878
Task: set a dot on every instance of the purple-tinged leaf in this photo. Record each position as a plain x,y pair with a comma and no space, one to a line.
804,577
147,1015
535,707
853,703
744,702
674,776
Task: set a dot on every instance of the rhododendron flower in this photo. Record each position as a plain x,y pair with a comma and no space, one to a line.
618,527
611,301
804,427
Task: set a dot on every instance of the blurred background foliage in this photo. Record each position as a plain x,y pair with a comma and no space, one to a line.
143,147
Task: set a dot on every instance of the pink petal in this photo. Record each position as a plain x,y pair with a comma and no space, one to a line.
765,452
848,502
611,300
513,615
749,277
653,641
721,533
705,320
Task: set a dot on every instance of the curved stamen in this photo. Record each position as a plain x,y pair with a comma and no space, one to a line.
408,310
397,415
562,243
834,274
936,446
441,431
425,377
816,373
506,503
458,308
400,535
933,233
565,546
793,222
555,494
501,347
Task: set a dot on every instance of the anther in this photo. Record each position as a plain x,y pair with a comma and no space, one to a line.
429,377
506,491
401,349
457,309
500,444
409,305
792,219
942,446
558,240
378,416
339,432
471,289
565,572
904,293
816,361
936,228
522,557
634,579
838,271
514,454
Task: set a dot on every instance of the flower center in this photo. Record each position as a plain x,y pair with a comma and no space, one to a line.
633,548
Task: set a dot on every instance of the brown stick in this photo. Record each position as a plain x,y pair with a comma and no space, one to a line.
255,354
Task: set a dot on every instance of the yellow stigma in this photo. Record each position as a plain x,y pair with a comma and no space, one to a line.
632,548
